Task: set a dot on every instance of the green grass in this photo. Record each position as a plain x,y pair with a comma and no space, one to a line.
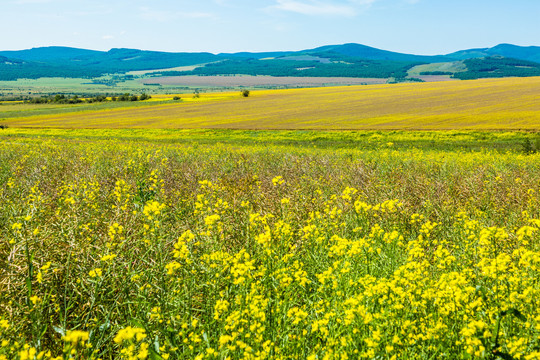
474,141
214,244
68,85
8,110
453,67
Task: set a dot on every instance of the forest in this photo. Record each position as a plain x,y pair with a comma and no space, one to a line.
350,67
497,67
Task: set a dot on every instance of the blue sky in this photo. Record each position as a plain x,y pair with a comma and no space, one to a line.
411,26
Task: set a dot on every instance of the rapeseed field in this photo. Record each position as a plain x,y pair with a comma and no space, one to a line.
487,104
162,244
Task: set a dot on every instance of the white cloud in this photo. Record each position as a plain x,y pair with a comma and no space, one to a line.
319,7
314,8
107,37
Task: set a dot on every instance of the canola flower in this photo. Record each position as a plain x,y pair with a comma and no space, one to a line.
76,337
95,273
130,333
179,251
506,104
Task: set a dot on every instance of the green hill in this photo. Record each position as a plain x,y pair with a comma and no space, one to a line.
497,67
70,62
50,53
346,60
121,60
370,53
13,69
528,53
303,68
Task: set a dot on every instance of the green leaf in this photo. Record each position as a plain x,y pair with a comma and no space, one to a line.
105,325
517,314
59,330
502,355
156,344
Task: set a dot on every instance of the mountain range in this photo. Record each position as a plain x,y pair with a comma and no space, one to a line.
332,60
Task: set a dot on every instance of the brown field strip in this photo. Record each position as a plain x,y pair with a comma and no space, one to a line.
512,103
247,80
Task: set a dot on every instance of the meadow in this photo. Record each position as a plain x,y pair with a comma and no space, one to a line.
490,104
224,244
22,87
146,81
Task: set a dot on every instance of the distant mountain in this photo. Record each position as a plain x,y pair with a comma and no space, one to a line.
331,60
350,50
371,53
255,55
44,54
13,69
114,60
120,60
529,53
321,65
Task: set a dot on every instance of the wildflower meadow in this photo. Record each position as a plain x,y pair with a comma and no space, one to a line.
252,245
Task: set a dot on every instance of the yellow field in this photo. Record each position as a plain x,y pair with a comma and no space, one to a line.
511,103
157,244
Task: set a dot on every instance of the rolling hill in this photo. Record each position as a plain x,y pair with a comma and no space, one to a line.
13,69
371,53
50,53
347,60
528,53
49,62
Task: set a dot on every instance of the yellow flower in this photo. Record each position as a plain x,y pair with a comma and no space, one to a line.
75,336
278,180
35,299
211,219
143,351
28,353
108,257
129,333
97,272
16,226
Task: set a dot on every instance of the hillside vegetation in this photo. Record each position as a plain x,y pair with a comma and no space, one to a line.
496,67
57,62
527,53
333,60
334,66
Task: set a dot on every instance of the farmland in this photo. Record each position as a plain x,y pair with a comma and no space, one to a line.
263,244
491,104
259,81
188,229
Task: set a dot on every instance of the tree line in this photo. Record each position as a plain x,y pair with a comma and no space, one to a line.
75,99
497,67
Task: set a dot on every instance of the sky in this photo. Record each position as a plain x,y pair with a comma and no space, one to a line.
426,27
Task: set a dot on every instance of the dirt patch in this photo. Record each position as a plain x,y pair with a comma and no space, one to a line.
193,80
435,78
